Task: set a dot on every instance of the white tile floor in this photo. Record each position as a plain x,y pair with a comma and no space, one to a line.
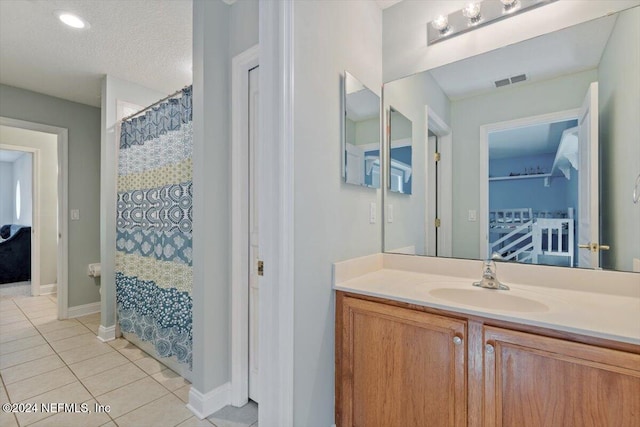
44,360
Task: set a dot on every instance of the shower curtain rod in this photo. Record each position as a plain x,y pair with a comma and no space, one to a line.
154,104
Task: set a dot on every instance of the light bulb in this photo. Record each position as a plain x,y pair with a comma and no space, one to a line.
72,20
472,10
441,23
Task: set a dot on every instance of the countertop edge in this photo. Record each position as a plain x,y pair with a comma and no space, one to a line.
494,316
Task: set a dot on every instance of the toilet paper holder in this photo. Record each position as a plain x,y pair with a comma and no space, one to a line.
93,270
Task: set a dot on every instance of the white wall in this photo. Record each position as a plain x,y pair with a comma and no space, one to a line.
113,90
331,217
6,193
47,144
619,99
467,115
367,132
23,174
405,49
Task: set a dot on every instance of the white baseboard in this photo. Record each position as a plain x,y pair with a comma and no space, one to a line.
83,310
49,289
107,334
203,405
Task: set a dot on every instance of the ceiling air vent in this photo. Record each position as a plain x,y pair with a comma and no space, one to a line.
519,78
511,80
503,82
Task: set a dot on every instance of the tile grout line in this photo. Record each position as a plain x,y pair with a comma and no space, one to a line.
52,349
65,365
4,386
147,375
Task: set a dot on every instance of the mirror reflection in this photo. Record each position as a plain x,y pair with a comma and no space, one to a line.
361,134
539,149
400,152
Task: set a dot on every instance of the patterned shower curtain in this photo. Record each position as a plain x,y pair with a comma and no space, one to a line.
154,273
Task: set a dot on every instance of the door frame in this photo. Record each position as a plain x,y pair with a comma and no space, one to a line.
276,223
485,130
240,66
63,207
442,130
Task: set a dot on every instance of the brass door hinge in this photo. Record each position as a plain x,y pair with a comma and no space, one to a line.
437,222
436,157
260,268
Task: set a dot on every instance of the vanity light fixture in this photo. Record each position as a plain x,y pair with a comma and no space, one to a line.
73,21
477,14
509,5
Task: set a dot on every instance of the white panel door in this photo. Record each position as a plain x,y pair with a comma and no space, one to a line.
588,190
253,237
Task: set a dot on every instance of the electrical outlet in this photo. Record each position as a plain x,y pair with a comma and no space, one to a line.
75,214
473,216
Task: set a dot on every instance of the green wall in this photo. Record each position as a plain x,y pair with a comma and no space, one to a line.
83,123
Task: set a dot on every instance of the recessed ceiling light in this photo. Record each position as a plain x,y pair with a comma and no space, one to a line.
72,20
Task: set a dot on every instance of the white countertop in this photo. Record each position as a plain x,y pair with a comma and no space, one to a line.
613,316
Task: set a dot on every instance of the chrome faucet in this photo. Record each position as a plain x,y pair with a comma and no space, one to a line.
489,277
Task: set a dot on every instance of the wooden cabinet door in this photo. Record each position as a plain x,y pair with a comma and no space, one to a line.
398,367
537,381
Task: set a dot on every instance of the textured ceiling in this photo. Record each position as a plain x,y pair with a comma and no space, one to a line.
143,41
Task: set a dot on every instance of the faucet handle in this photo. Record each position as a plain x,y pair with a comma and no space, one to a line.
489,268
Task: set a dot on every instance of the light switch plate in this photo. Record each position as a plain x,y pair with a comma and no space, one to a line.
372,213
75,214
473,215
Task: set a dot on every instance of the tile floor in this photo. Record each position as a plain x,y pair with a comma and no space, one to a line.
45,360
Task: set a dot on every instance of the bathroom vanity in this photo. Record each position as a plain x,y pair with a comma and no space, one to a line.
418,345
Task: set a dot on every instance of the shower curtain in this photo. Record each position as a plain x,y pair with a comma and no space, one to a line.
154,273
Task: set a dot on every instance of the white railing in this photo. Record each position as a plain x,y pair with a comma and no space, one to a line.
537,237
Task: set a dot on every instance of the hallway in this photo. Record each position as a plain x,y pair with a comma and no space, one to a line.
44,360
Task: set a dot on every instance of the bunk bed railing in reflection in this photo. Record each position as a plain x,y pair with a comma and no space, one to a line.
536,237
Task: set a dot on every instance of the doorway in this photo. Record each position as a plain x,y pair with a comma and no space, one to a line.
546,224
19,246
438,215
47,148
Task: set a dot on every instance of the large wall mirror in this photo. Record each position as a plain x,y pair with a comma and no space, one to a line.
361,134
539,146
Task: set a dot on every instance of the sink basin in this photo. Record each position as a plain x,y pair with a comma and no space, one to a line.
490,299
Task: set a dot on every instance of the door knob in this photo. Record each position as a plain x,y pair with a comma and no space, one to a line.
457,340
594,247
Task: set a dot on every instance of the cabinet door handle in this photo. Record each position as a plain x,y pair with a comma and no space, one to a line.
457,340
489,348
